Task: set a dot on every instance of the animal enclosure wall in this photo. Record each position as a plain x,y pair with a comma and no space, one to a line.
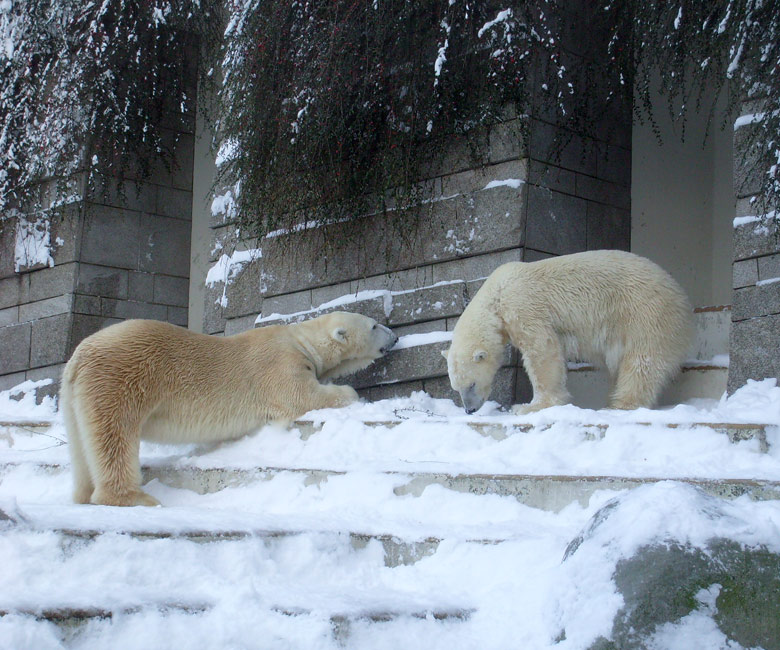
502,197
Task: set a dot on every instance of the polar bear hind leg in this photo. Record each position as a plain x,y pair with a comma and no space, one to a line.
118,470
112,453
640,378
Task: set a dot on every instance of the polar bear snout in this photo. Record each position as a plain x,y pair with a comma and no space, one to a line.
385,337
472,400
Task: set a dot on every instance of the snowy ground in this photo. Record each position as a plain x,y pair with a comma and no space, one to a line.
285,591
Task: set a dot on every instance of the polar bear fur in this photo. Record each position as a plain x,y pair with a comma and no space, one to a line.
149,380
608,307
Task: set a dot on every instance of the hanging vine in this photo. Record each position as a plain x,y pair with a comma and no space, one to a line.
327,110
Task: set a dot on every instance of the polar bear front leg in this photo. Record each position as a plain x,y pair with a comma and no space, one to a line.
328,396
545,364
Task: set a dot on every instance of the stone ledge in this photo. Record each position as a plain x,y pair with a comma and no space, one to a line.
393,308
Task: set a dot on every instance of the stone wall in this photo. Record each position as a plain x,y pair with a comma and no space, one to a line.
517,199
120,251
755,327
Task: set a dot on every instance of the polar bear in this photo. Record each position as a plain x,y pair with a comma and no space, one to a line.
150,380
606,306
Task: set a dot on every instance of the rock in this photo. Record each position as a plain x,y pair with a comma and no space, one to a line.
662,584
664,555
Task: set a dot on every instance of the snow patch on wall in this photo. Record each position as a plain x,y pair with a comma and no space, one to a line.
350,299
509,182
224,204
500,18
227,268
33,244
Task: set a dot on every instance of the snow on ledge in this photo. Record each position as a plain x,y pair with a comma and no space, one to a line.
509,182
758,219
415,340
351,299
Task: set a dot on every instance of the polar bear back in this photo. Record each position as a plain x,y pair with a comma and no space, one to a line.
197,383
597,302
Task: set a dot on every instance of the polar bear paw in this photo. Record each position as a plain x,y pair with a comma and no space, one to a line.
130,498
533,407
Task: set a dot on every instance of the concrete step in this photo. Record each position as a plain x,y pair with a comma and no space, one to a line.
351,599
544,491
500,431
71,620
547,492
205,526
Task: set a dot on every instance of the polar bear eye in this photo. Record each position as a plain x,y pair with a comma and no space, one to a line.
374,327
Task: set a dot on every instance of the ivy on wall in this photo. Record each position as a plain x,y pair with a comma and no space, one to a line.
84,87
344,104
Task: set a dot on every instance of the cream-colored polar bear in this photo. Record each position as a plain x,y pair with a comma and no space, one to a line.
149,380
604,306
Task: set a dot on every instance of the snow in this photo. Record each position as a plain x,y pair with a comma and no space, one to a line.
349,299
441,57
509,182
227,267
413,340
225,203
500,17
18,403
718,361
281,591
678,18
228,150
759,220
745,120
33,243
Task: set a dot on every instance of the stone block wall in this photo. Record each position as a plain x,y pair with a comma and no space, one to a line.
517,199
755,317
119,251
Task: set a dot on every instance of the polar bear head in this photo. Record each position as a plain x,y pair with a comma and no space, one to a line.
344,342
472,362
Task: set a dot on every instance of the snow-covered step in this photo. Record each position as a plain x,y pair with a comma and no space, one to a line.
547,492
8,429
735,431
73,622
75,525
307,576
501,430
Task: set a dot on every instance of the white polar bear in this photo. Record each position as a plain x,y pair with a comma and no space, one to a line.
604,306
144,379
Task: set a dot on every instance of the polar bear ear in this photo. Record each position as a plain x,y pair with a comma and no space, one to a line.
340,334
444,353
480,355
